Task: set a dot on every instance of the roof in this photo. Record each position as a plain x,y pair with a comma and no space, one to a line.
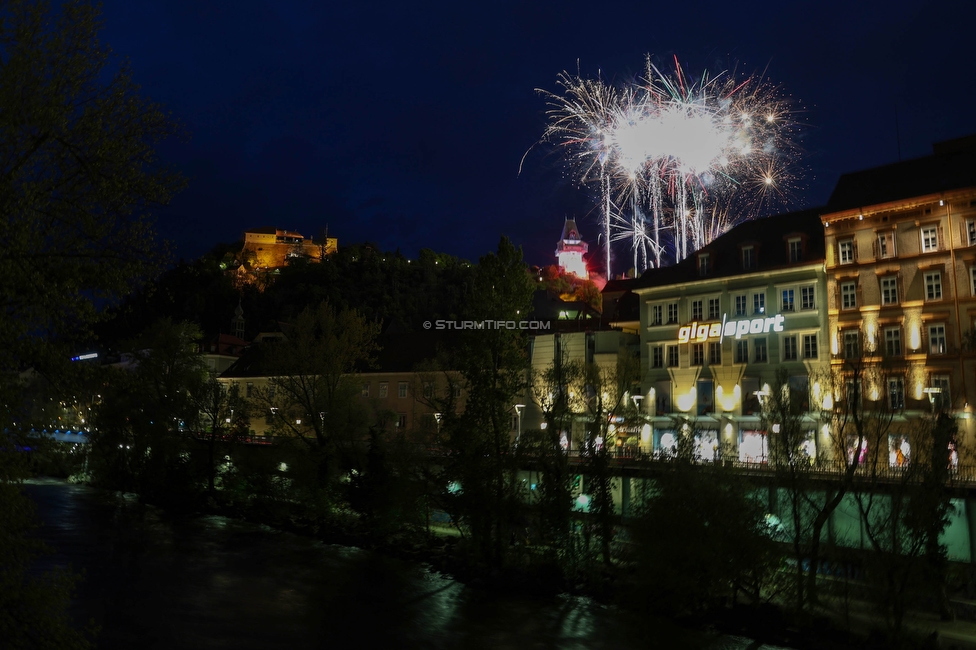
951,166
769,238
569,229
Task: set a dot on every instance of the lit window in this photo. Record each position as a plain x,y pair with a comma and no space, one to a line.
713,308
402,389
896,392
742,351
848,295
852,344
807,298
759,303
937,339
657,357
846,251
696,309
892,337
401,421
789,348
697,354
796,250
809,346
788,302
886,245
672,356
672,313
933,285
930,239
715,353
759,345
889,290
657,314
384,389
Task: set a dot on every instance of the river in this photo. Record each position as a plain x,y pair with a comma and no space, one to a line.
156,581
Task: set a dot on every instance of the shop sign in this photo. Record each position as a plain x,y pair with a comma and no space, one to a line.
702,332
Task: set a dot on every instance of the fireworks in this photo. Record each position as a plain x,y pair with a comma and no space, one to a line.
677,161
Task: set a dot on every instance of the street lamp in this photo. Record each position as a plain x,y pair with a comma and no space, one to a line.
518,413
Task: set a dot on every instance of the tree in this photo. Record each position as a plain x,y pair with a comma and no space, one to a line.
493,363
310,394
221,412
78,176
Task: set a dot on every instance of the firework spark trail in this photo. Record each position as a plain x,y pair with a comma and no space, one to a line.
679,150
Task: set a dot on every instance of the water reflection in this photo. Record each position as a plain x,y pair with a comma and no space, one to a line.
155,581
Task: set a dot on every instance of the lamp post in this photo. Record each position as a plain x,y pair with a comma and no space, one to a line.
518,414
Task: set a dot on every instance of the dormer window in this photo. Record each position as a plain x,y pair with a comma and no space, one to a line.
704,264
795,245
748,258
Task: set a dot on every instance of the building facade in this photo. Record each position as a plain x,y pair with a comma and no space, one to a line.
272,247
720,327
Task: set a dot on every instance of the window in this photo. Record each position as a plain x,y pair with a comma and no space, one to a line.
384,389
365,391
697,354
809,346
759,303
249,389
271,391
657,356
759,345
657,314
892,337
933,285
848,295
930,239
937,339
401,421
886,245
715,353
852,392
807,299
971,232
402,389
889,290
457,391
714,308
972,279
788,300
740,301
428,390
796,249
742,351
852,344
672,313
845,251
789,348
896,392
696,310
748,258
672,356
703,264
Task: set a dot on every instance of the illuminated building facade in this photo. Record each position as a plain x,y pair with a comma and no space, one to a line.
901,280
272,248
717,327
570,250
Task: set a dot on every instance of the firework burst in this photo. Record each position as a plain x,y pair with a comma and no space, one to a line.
678,161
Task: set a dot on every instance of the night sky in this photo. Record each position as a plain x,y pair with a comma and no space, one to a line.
405,124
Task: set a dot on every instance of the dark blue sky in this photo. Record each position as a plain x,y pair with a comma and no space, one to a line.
405,123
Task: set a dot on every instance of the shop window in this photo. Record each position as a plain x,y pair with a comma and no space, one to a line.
899,451
753,447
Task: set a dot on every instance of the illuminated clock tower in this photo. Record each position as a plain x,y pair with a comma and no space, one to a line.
570,250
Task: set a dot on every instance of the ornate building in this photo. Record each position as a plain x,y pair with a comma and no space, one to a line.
570,250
